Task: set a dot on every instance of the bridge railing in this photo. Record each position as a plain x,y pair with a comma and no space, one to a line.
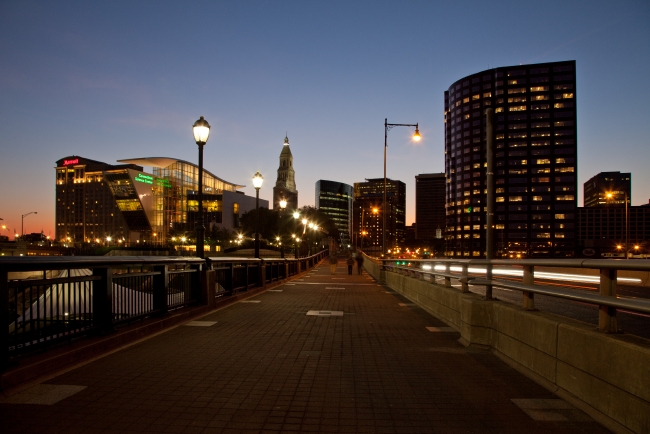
474,272
45,301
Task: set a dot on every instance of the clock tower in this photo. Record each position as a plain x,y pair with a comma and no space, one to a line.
285,186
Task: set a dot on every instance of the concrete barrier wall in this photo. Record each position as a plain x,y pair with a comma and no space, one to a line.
607,376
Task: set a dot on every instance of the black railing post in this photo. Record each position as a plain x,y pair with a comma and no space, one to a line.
230,287
261,274
4,318
196,283
247,277
103,300
160,289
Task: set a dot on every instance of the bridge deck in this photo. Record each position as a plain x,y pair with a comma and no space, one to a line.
365,360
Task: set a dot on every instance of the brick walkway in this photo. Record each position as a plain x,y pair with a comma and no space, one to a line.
264,365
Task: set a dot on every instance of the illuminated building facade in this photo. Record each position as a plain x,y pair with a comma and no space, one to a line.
615,183
96,201
335,200
285,185
368,213
535,175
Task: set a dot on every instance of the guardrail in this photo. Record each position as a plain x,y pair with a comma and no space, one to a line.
468,272
44,301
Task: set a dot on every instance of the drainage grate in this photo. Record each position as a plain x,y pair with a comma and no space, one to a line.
442,329
325,313
201,323
43,394
551,410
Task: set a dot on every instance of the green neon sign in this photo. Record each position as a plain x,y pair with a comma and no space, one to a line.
163,182
140,177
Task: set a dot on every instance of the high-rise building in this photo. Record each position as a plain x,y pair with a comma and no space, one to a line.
368,214
616,184
95,200
535,175
334,199
429,205
285,185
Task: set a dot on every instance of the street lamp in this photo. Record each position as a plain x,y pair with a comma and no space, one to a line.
283,205
201,130
609,195
22,222
416,137
257,183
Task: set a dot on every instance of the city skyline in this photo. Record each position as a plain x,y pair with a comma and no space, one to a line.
103,83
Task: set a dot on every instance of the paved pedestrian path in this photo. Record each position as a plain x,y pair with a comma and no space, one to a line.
322,353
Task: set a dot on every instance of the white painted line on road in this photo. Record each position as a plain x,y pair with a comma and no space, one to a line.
201,323
325,313
442,329
275,290
251,301
331,287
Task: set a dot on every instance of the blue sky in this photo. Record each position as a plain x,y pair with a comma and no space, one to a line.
126,79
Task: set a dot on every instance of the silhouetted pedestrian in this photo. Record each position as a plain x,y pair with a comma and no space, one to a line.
359,259
350,264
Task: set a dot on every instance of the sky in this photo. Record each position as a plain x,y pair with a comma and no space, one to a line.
127,79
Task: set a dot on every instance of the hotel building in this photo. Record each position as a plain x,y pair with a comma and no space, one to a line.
535,143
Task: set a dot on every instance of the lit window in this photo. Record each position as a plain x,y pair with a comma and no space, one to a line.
498,110
543,235
564,169
515,199
542,170
539,88
563,123
539,98
476,96
559,235
500,199
565,197
541,134
540,125
476,227
517,90
517,99
543,161
539,107
517,108
501,190
466,99
487,94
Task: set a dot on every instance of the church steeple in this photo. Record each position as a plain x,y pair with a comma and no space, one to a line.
285,185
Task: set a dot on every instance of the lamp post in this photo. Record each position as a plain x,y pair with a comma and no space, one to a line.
609,195
416,137
201,130
22,223
283,205
257,183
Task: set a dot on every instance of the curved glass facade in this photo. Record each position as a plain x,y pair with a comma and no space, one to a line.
535,161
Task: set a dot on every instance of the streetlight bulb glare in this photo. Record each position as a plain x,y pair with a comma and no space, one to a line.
283,204
417,136
201,130
296,215
258,180
304,221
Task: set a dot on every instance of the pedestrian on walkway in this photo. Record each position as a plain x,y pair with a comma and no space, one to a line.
359,259
334,261
350,264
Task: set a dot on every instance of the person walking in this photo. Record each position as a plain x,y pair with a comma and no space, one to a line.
350,264
359,259
334,261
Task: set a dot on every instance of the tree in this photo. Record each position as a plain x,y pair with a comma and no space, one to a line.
268,223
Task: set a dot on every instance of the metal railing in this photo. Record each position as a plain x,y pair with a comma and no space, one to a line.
472,272
44,301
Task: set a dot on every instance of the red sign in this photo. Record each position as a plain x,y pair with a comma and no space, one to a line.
69,162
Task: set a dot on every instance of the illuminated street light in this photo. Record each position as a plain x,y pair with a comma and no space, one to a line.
416,137
257,183
609,195
283,206
201,131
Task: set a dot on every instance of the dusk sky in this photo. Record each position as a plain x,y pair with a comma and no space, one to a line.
126,79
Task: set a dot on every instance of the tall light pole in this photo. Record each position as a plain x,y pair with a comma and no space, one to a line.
416,137
22,223
257,183
201,130
609,195
283,205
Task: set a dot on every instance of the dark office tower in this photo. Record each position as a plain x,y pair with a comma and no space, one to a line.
535,159
429,205
285,185
368,214
616,184
335,200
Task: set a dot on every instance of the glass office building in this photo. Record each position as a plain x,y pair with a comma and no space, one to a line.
96,201
335,200
535,139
